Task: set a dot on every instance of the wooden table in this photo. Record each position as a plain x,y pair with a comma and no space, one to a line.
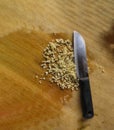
26,26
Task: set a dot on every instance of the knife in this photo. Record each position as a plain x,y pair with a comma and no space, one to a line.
82,75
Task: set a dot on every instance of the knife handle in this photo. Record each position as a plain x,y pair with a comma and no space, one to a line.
86,99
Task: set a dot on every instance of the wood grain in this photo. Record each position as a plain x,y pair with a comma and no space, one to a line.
25,29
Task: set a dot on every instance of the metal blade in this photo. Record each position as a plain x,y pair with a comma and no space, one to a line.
80,55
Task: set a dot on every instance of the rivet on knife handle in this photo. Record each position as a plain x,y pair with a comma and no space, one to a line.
82,74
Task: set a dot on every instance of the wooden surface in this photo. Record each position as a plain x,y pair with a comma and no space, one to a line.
26,26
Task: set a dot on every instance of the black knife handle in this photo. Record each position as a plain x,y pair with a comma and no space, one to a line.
86,99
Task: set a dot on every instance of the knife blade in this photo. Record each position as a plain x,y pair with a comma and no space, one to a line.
82,74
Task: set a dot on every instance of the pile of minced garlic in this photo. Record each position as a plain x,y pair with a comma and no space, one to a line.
59,64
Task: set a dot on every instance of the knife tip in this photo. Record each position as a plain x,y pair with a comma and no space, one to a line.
76,33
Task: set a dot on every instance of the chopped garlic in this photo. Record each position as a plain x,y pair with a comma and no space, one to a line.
59,64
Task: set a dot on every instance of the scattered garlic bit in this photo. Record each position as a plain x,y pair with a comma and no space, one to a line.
101,68
36,76
103,71
59,64
43,78
40,81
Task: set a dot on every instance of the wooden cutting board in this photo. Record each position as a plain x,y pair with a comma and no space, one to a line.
26,27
